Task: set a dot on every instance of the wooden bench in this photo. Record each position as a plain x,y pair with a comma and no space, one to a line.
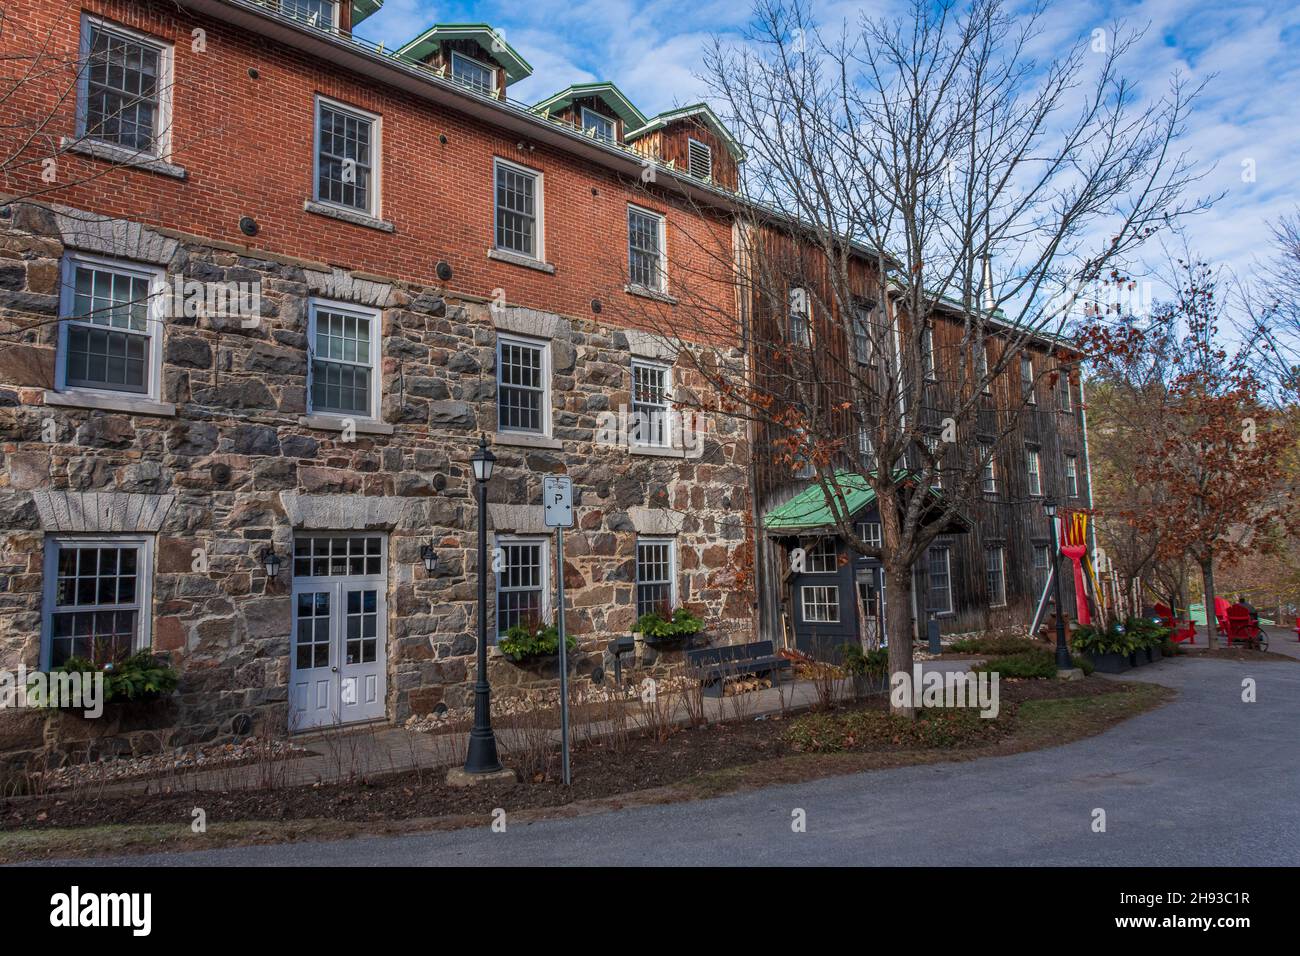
713,665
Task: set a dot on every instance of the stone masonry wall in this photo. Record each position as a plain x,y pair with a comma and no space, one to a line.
236,469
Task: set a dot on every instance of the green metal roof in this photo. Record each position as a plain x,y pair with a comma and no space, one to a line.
489,39
364,8
607,93
809,509
698,110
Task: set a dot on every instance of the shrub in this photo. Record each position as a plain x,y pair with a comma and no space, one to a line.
141,676
1133,635
995,646
660,624
1037,663
533,639
865,663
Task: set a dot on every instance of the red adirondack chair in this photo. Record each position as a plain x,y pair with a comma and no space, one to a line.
1221,612
1242,628
1183,628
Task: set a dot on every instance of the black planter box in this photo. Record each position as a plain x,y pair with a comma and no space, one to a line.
1152,654
1111,663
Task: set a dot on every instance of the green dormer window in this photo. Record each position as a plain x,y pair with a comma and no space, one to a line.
597,126
474,74
316,13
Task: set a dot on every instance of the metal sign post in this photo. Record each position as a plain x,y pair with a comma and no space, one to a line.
557,510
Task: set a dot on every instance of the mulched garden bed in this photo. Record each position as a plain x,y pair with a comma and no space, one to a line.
599,771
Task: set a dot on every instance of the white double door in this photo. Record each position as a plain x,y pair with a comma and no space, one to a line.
338,653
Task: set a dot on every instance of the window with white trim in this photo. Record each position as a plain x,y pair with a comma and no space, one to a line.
597,125
656,587
1042,565
347,157
862,319
523,385
821,603
800,316
1072,476
822,557
866,449
110,333
124,88
97,598
699,159
990,469
651,392
996,576
1032,463
343,375
322,14
871,534
521,583
1027,380
939,568
473,73
927,353
647,265
982,368
518,207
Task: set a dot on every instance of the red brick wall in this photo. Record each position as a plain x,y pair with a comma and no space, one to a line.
247,146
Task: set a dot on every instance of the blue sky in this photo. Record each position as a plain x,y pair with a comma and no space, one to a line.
1250,112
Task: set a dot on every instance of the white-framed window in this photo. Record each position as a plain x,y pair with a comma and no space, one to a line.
347,157
1063,397
523,385
338,555
1032,463
343,369
804,465
1027,380
522,581
597,125
927,353
518,209
1042,565
862,346
822,557
699,159
322,14
110,329
473,73
647,260
124,88
651,395
98,593
990,471
996,576
656,576
800,316
871,534
866,449
982,368
935,447
939,568
821,603
1072,475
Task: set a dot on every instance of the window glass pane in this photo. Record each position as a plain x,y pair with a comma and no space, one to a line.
516,215
601,127
341,363
821,604
519,585
327,555
473,73
316,13
645,257
344,158
940,589
995,577
520,387
650,411
123,77
96,611
654,577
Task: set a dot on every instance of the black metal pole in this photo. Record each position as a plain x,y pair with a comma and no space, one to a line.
1063,662
482,755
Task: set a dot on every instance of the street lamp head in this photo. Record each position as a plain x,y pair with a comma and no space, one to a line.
1049,507
483,460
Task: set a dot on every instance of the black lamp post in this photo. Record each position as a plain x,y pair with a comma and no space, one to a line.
482,755
1063,662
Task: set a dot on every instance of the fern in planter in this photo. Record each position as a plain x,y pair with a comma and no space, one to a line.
138,677
659,626
531,639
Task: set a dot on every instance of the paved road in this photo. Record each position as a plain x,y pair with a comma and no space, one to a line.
1204,781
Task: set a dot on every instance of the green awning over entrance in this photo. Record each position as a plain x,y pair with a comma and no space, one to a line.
809,509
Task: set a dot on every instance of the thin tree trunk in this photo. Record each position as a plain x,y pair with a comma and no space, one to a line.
898,616
1211,619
